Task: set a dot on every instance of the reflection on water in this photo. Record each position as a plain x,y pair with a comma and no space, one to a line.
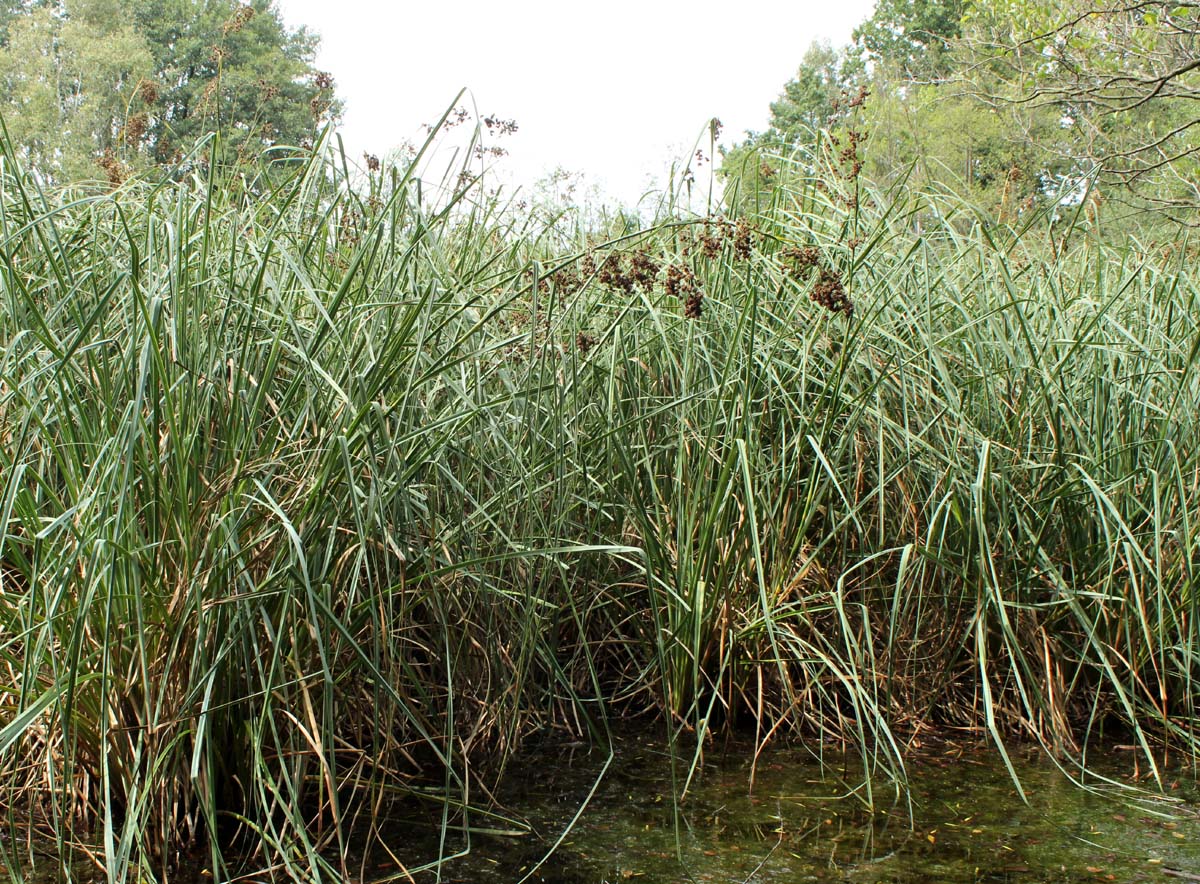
962,821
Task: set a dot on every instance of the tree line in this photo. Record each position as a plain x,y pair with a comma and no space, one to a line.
1014,104
103,88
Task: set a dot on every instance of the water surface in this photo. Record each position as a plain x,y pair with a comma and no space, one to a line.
961,820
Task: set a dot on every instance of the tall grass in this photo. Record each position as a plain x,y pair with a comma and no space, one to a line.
315,495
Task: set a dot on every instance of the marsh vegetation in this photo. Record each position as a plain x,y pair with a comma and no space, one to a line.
321,490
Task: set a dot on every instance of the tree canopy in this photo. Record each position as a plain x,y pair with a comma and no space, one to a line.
915,37
99,87
1015,103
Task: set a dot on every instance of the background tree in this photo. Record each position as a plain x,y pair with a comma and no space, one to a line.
1124,79
1012,104
914,38
68,76
9,9
236,67
92,87
916,127
807,104
810,98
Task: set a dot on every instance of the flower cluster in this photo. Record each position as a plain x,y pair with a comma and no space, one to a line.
240,18
681,283
148,91
135,128
323,100
113,168
502,127
828,290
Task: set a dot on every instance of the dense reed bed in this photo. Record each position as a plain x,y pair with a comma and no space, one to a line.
314,496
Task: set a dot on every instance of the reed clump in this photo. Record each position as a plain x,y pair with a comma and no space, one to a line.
313,495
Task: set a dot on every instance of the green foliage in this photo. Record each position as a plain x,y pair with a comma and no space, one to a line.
1126,77
9,10
911,37
809,99
92,86
68,78
810,102
935,138
312,498
1012,104
236,68
898,54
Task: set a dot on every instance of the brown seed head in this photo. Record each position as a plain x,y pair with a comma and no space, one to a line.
135,128
802,258
240,18
680,281
712,239
743,240
148,91
501,127
113,168
829,292
456,118
613,275
565,281
209,93
643,269
318,105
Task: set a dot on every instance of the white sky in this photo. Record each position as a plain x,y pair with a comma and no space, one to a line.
614,89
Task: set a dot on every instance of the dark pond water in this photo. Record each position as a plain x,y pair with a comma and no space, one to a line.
962,820
573,815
